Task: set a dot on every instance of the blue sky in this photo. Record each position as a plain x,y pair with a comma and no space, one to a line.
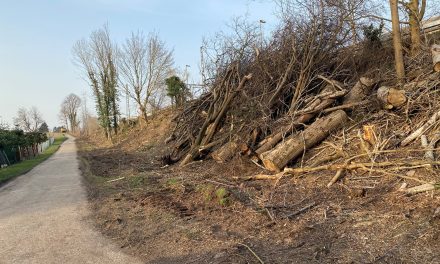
36,37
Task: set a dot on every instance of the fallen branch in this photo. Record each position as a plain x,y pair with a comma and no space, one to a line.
423,188
345,106
253,253
114,180
421,130
261,177
353,166
302,210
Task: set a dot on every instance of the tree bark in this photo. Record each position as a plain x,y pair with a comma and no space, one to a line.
397,41
360,91
282,154
414,26
319,104
225,152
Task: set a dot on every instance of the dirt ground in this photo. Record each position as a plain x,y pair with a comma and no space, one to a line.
202,214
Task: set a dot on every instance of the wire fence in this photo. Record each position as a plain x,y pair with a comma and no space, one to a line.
13,154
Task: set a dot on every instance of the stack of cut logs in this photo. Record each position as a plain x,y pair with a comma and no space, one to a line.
310,125
280,148
287,144
277,150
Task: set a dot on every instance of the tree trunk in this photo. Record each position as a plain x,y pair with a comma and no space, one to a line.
414,26
225,152
435,50
283,153
397,41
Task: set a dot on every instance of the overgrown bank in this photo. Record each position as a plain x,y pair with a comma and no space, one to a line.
201,213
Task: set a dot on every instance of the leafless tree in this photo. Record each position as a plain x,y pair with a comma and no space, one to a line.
144,63
69,110
63,117
239,43
28,119
96,57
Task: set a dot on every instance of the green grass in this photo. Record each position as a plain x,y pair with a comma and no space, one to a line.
18,169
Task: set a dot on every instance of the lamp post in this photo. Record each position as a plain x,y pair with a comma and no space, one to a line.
186,74
261,31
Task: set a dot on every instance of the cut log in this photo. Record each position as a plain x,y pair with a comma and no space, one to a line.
283,153
360,91
323,100
435,50
391,97
225,152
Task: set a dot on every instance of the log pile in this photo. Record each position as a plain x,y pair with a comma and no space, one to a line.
275,105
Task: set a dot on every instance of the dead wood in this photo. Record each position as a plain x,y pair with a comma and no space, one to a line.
302,210
217,110
431,146
391,97
360,91
421,130
429,154
323,100
345,106
353,166
435,50
282,154
422,188
225,152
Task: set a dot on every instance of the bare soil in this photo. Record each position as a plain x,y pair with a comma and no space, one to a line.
202,214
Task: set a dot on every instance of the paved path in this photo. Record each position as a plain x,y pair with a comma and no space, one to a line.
43,217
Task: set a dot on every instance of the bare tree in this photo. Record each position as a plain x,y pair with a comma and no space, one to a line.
96,57
63,117
144,63
69,110
85,116
28,119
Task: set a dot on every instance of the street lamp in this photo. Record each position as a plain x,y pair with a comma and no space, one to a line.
187,73
261,31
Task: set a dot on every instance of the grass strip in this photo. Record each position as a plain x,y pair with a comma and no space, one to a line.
20,168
